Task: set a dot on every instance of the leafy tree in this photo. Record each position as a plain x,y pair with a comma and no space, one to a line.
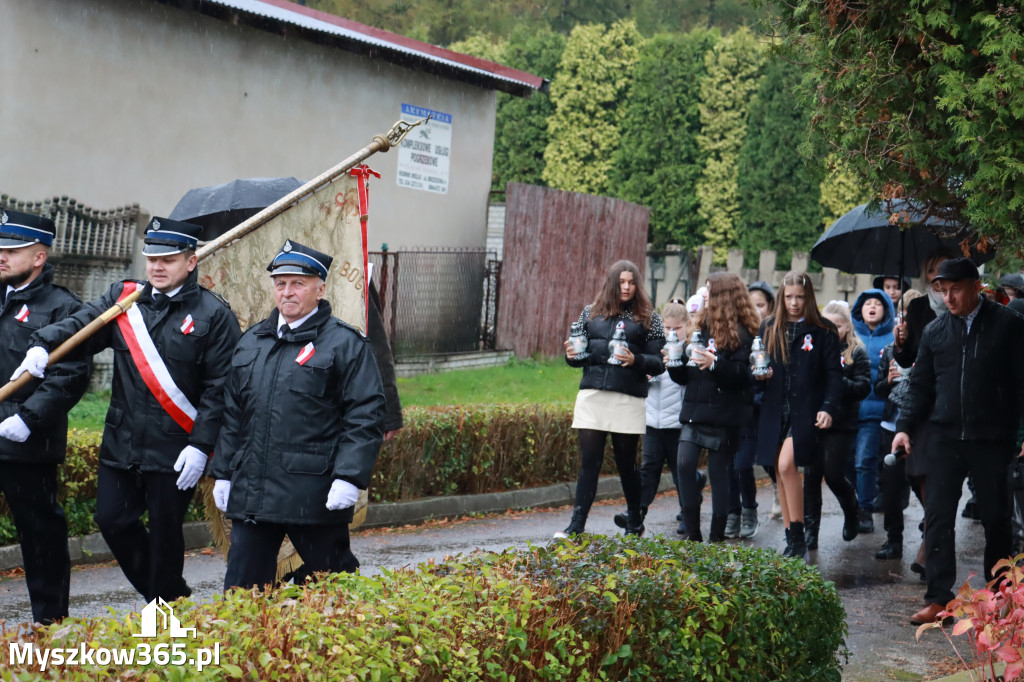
779,190
659,162
521,134
589,97
733,68
921,100
841,192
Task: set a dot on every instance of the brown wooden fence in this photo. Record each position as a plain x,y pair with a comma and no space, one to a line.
558,248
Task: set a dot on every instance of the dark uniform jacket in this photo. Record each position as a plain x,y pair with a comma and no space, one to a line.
723,396
969,386
44,403
290,429
139,433
816,385
645,344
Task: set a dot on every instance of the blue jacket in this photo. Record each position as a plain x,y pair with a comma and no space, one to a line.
875,341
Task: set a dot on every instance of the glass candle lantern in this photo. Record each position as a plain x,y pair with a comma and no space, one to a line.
578,341
673,349
696,346
617,342
759,360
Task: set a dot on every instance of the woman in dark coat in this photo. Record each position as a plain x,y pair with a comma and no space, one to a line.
613,389
803,391
717,401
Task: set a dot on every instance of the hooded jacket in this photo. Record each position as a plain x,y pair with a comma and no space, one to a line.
875,340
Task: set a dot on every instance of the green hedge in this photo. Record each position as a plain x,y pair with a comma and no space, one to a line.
441,451
608,608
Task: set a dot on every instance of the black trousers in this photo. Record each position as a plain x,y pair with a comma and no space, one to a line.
893,484
252,559
151,558
836,450
719,462
948,463
31,492
658,449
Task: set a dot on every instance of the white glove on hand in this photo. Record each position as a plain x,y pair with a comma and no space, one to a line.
221,492
342,495
191,463
34,363
13,428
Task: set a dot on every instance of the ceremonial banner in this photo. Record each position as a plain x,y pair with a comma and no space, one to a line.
327,220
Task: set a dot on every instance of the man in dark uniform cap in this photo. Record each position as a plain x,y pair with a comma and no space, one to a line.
302,426
171,352
34,426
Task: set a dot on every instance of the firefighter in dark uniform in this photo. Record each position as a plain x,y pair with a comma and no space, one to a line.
34,426
171,352
302,425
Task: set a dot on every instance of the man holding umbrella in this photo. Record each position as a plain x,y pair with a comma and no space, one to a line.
171,352
968,384
34,426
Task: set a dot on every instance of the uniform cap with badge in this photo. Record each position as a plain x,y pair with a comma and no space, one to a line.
166,237
297,259
19,229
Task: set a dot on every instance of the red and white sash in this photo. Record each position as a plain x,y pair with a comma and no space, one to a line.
151,366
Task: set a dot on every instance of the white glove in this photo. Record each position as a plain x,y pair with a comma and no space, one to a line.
34,363
342,495
221,492
191,463
13,428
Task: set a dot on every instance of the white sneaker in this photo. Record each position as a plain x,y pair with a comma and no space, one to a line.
776,508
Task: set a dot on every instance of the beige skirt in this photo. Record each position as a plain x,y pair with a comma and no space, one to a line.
609,411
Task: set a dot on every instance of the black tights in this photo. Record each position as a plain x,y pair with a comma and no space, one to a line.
592,455
718,474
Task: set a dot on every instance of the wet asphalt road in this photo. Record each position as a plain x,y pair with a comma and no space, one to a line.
879,596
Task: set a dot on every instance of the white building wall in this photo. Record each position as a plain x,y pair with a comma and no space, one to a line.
120,101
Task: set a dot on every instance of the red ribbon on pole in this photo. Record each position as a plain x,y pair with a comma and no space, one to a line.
362,172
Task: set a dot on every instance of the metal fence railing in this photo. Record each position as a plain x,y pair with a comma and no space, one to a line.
85,232
438,300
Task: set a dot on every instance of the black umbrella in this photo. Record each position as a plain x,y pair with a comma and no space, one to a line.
865,241
218,208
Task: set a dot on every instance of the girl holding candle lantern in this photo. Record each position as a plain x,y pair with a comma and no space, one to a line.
803,390
718,399
613,388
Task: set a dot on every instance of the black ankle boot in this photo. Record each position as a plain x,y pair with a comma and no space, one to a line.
892,549
811,525
576,526
691,516
851,520
788,550
798,541
867,524
635,520
717,533
621,519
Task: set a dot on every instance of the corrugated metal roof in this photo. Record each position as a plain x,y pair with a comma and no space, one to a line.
284,12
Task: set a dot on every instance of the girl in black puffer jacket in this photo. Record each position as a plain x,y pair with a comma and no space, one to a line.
718,400
837,442
612,392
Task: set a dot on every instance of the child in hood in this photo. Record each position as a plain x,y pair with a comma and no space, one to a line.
873,319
